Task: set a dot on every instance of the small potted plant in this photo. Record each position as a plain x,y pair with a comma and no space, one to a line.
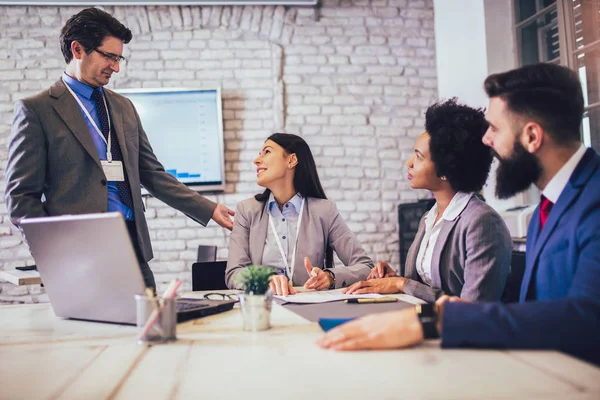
257,299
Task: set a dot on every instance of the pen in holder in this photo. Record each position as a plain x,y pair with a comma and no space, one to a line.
157,317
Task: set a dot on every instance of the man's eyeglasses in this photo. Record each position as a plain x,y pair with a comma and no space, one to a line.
111,57
221,296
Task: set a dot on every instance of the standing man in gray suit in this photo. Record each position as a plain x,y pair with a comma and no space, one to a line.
79,148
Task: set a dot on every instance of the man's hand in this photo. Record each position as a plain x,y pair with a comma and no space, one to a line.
381,270
450,299
383,286
221,216
280,286
390,330
440,303
318,279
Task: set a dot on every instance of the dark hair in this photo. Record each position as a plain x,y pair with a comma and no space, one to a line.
548,94
456,146
306,178
90,27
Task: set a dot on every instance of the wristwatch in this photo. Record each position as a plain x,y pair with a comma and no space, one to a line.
428,318
330,272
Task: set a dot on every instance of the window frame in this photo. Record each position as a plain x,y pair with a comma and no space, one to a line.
539,14
566,40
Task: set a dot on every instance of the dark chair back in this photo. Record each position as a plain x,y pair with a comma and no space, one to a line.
209,275
512,289
409,215
207,253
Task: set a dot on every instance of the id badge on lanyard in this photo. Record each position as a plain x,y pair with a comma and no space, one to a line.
289,269
112,169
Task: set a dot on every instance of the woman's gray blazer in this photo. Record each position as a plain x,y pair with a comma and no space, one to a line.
322,225
471,257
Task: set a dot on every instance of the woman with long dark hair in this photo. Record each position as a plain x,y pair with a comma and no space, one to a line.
292,226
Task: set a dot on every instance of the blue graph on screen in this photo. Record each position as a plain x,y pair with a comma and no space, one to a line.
185,130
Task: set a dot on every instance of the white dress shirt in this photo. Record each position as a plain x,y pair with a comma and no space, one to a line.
286,224
432,231
558,182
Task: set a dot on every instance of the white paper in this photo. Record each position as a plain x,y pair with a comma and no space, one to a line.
324,297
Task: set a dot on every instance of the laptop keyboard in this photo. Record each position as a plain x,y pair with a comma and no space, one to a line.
197,308
188,305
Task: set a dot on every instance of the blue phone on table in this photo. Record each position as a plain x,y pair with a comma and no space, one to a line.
330,323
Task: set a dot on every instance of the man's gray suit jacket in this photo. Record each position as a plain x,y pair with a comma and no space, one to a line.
54,169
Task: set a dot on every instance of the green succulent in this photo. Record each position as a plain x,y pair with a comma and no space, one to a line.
255,279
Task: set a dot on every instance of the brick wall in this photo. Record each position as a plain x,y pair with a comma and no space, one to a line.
352,78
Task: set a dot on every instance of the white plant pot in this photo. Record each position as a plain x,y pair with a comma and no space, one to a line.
256,311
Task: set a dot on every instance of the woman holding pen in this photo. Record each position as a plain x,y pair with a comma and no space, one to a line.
292,226
462,247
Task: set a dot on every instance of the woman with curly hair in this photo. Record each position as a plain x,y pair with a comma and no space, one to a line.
462,247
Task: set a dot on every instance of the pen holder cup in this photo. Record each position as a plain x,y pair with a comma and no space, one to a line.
156,319
256,311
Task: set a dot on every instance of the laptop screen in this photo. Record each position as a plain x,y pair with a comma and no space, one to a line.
87,264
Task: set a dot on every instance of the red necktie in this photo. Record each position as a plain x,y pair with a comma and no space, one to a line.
545,208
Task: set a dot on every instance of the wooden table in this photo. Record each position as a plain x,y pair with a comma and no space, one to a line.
44,357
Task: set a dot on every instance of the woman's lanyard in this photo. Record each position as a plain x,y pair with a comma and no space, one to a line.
87,114
289,269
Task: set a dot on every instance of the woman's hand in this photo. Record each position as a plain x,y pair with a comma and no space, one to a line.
383,286
318,279
280,286
382,270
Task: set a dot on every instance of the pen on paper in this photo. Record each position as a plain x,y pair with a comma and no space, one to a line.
377,300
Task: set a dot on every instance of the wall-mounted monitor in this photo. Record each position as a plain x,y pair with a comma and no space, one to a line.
185,130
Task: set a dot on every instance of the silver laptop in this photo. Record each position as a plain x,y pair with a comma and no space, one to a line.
87,264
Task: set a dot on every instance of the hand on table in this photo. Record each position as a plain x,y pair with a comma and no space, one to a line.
390,330
381,270
450,299
280,286
382,286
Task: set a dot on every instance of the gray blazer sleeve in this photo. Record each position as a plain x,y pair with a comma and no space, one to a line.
422,291
349,251
26,168
489,250
239,247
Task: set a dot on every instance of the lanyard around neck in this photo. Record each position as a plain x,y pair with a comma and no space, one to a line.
289,268
87,114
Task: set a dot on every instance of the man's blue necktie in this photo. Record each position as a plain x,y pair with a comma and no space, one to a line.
123,186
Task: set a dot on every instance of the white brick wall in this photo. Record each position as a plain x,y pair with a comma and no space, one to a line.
353,79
